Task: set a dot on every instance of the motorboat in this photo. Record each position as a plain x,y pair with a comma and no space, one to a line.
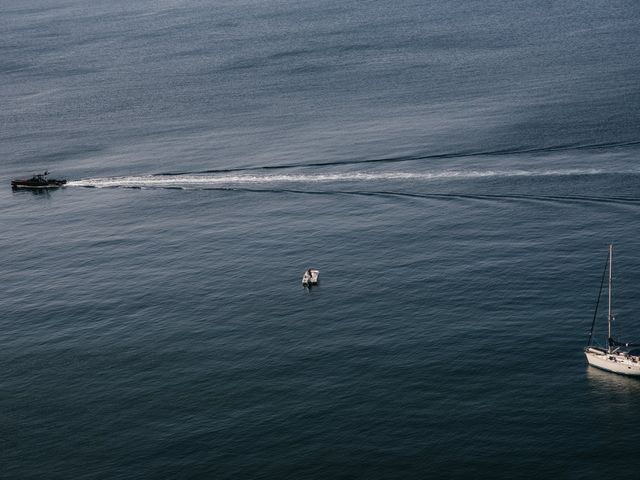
310,277
38,181
617,357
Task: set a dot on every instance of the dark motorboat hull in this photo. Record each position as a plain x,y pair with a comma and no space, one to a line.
28,183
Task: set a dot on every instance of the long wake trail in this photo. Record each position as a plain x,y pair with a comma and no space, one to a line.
194,181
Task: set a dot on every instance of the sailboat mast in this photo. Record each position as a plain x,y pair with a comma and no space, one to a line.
609,317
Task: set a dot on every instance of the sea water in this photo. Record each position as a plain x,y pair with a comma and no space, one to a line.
455,170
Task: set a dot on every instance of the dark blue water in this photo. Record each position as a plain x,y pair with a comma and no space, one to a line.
455,169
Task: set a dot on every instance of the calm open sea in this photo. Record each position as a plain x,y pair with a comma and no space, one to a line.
455,170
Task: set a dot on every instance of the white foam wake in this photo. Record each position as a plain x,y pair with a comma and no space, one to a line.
225,179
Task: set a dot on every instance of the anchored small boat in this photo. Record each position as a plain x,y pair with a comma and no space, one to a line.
617,357
38,181
310,277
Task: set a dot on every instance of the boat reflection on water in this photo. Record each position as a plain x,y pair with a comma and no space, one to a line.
613,383
38,192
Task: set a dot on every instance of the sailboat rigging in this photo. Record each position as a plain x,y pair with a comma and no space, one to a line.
618,357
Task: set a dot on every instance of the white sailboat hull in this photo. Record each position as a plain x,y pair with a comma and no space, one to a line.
613,362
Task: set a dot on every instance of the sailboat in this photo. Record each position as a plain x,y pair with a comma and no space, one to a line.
618,357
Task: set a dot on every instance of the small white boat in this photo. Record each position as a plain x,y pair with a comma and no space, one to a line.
310,277
617,357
